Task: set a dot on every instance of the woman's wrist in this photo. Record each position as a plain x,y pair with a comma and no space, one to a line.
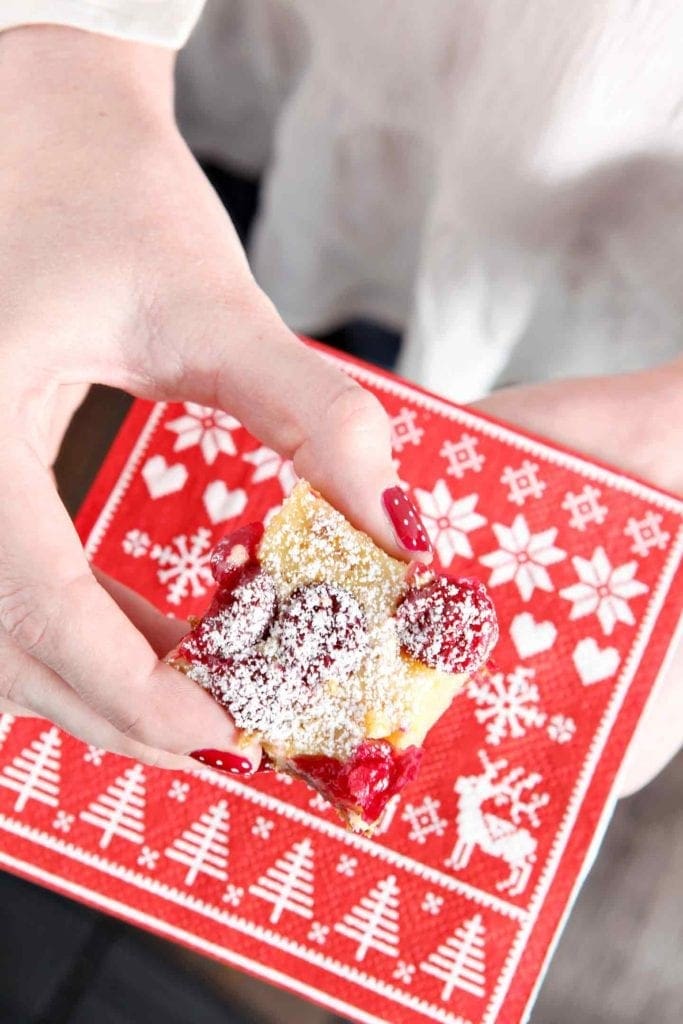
43,67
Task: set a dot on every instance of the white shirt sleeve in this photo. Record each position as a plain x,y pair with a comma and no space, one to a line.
159,22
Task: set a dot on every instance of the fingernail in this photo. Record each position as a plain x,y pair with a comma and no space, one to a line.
405,520
223,761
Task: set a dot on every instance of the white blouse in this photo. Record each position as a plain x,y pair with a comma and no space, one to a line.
501,180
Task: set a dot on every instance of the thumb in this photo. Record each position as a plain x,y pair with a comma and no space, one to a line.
240,357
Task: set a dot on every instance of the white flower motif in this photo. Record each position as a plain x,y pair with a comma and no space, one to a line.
136,543
523,557
233,895
262,827
269,464
208,428
94,755
603,590
346,865
318,933
403,972
148,858
561,729
448,521
63,821
432,903
178,791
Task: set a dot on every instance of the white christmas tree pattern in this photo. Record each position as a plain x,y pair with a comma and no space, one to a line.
404,429
184,563
120,810
460,961
584,508
373,923
603,590
449,521
424,820
647,533
462,456
523,557
288,884
268,465
508,704
34,773
211,429
522,483
6,723
203,847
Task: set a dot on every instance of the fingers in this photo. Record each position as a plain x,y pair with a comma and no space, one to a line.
28,688
161,632
52,608
246,361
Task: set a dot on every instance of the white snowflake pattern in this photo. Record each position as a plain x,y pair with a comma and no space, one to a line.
462,456
269,465
403,972
508,704
647,533
233,895
94,756
346,865
404,429
63,821
603,590
136,543
318,933
211,429
561,728
178,791
185,565
147,858
262,827
424,820
523,557
432,903
523,482
319,803
584,508
449,520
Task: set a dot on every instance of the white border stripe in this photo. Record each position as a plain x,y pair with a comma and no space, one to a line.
216,914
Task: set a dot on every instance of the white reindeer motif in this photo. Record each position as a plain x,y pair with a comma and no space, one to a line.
504,838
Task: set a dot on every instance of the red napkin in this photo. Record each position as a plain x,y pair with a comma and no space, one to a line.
451,913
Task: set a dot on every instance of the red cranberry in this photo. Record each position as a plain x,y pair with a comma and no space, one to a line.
234,552
321,633
449,624
373,774
236,620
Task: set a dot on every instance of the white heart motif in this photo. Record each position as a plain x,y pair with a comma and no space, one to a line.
595,664
531,637
221,503
162,479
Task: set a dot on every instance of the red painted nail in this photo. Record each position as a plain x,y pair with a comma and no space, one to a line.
405,520
223,761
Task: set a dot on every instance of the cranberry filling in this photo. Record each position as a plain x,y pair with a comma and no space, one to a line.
373,774
235,551
449,624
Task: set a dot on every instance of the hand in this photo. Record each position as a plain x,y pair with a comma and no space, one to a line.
119,265
634,421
